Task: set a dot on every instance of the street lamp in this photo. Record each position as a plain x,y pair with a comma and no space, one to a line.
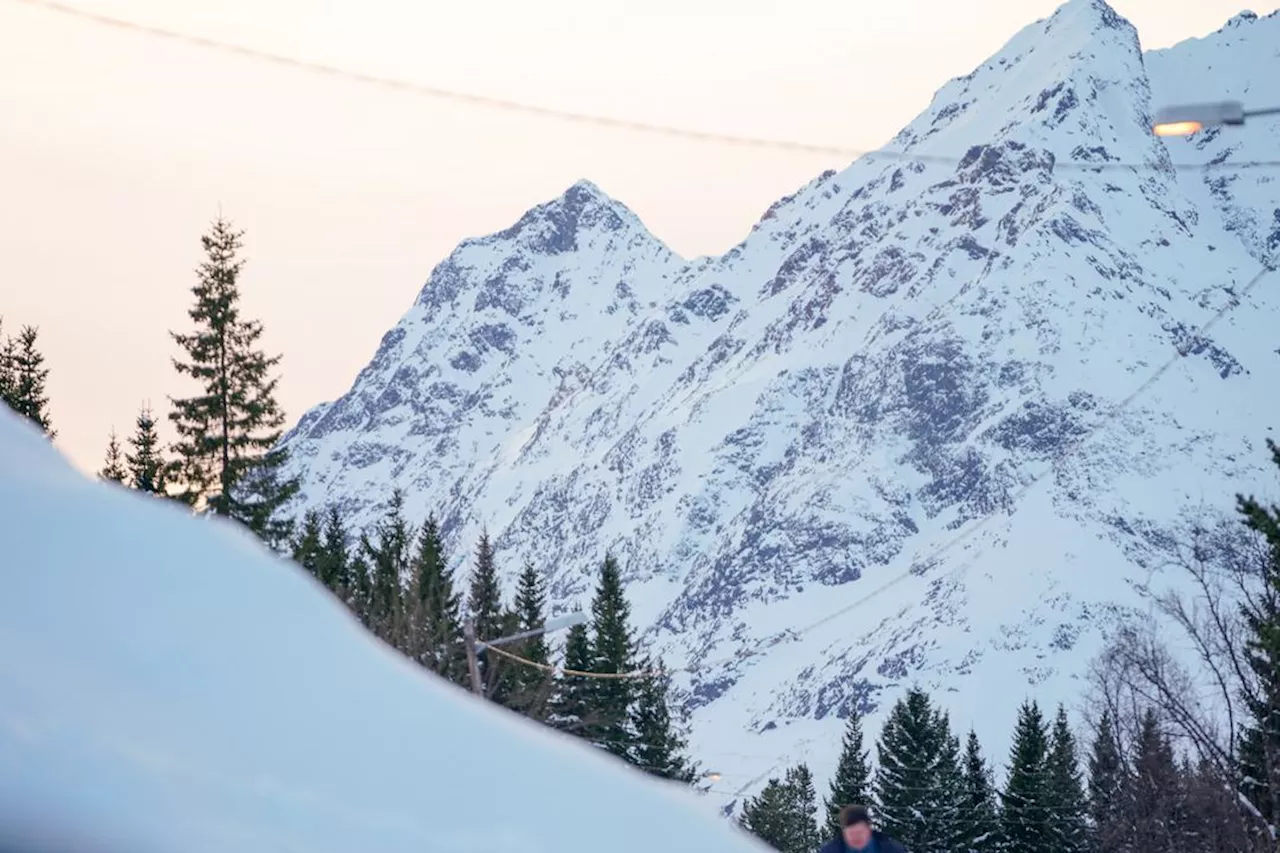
474,646
710,776
1186,119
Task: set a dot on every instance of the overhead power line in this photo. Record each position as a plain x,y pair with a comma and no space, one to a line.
589,118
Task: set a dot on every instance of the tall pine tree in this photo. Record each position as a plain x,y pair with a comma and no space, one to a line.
491,621
27,395
613,651
951,789
783,814
1107,787
335,560
360,590
1260,744
852,782
227,458
389,561
503,675
8,349
1154,795
659,746
1067,805
804,807
113,466
146,459
484,597
571,709
438,621
533,686
918,781
308,550
979,825
770,817
1027,802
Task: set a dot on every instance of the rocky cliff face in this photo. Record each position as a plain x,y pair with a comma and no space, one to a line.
889,438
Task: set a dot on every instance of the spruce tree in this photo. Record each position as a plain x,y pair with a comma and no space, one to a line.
1026,802
918,780
613,651
335,560
360,591
27,394
227,458
439,621
389,563
501,673
804,833
533,685
1106,788
146,461
783,814
1153,798
7,352
951,788
571,709
852,781
1067,805
768,816
484,597
488,618
979,825
659,745
113,467
308,549
1260,744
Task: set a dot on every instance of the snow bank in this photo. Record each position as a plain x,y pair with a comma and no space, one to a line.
168,685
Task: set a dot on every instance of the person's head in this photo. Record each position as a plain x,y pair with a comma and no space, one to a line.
856,826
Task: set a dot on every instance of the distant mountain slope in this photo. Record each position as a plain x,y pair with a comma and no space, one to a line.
890,359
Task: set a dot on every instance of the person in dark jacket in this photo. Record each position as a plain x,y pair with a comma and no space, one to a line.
857,836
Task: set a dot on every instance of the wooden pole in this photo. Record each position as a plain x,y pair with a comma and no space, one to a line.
473,666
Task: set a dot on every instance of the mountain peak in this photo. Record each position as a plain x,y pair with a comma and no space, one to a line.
587,189
584,195
1244,18
1093,12
553,227
1071,85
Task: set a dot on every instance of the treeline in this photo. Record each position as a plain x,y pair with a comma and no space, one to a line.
395,578
225,460
23,377
938,796
1179,758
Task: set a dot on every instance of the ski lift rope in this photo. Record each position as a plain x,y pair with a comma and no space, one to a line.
593,119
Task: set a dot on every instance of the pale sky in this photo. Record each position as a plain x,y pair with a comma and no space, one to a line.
116,150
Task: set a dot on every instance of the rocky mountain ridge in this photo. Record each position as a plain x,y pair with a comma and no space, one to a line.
936,343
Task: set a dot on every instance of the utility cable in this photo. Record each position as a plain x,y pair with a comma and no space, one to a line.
593,119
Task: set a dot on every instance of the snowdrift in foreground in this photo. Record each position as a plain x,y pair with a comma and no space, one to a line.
167,685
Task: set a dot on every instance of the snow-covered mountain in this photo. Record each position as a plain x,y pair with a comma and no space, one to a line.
888,438
200,695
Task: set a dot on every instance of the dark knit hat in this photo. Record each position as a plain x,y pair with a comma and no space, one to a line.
849,815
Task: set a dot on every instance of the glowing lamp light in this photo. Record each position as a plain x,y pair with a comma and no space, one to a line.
1186,119
1177,128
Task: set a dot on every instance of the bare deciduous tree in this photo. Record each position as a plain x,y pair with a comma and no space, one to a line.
1190,662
